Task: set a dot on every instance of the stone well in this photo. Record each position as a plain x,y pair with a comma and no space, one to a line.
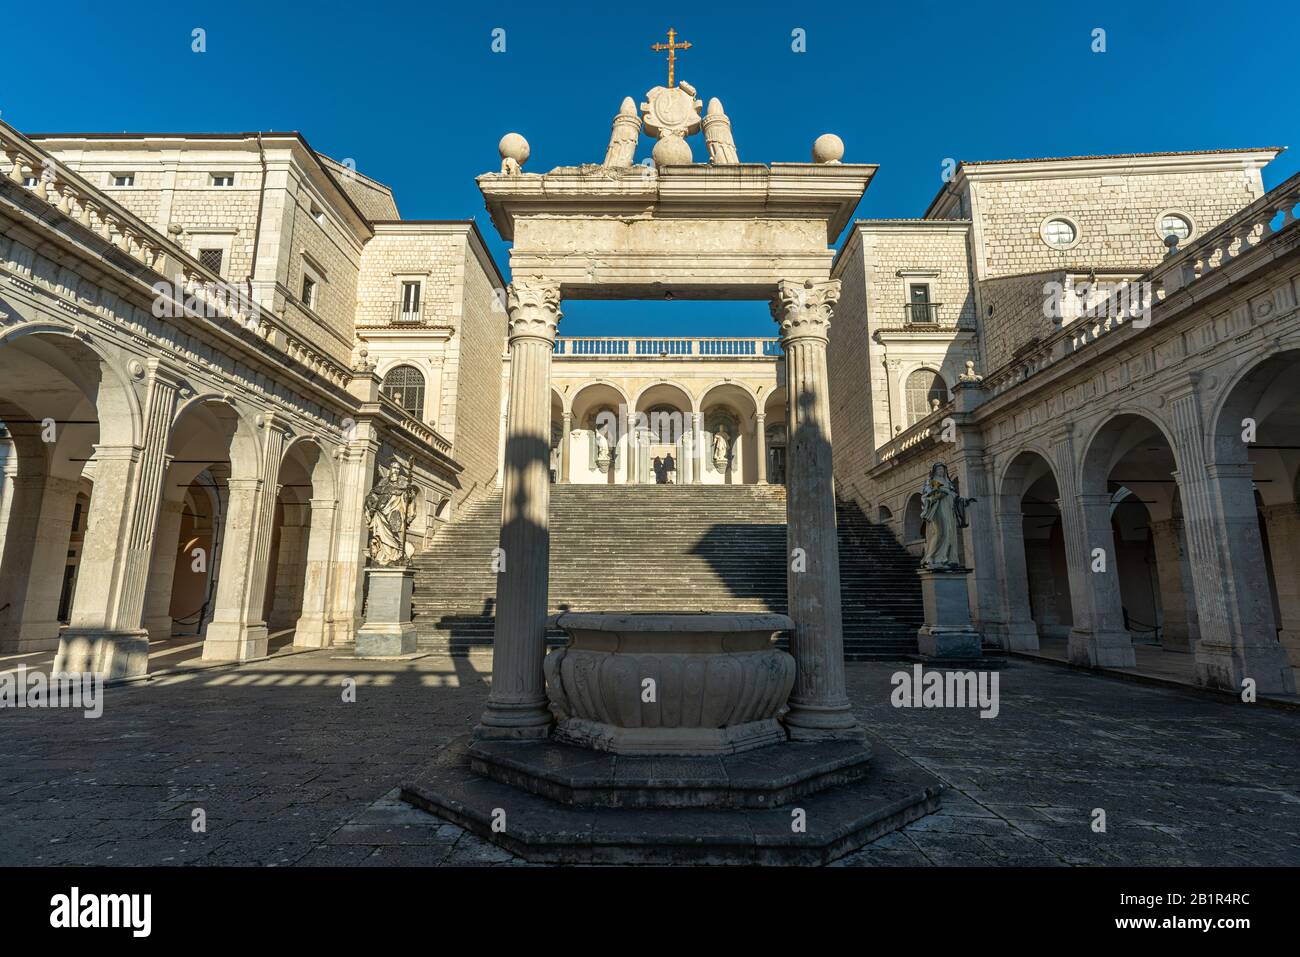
685,684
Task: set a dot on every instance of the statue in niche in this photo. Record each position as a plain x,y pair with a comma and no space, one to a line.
721,448
604,454
390,510
944,511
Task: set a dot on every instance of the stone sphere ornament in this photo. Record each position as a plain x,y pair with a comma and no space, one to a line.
672,151
828,148
514,152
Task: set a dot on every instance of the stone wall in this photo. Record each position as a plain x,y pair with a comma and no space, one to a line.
476,366
1116,213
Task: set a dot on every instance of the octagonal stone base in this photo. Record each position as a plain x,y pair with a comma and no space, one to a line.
846,802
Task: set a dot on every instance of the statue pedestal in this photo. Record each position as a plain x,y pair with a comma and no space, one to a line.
388,630
947,632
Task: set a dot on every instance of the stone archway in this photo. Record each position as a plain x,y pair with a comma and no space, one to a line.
734,408
1035,576
660,430
71,421
596,441
689,231
298,570
209,442
1255,471
1127,451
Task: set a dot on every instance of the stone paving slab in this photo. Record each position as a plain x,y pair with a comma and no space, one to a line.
287,772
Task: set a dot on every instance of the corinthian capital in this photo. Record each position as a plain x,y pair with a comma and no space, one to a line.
534,308
804,309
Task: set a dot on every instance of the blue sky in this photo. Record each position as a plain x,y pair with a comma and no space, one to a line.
414,93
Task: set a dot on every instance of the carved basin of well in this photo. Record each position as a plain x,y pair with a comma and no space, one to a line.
670,683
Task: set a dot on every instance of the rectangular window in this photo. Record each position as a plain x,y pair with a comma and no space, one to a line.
223,179
318,214
920,309
410,302
308,296
30,181
211,258
124,179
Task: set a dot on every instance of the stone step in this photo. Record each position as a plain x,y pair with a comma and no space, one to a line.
667,548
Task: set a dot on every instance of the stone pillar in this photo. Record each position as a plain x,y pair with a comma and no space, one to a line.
356,478
107,633
238,631
162,569
517,706
1283,523
633,442
760,446
979,541
697,448
897,405
819,704
1238,636
564,448
313,627
35,555
1098,637
1021,632
1171,568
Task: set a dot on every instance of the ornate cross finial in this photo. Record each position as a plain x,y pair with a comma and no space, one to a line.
672,48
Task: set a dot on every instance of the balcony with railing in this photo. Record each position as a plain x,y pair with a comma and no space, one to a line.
407,315
682,347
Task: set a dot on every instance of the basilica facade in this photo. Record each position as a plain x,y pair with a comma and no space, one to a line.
209,344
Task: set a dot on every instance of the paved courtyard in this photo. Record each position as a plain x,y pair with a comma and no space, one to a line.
285,771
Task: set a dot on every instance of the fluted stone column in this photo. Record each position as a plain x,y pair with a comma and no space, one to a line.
697,448
760,446
107,633
517,706
1172,571
564,448
1018,618
356,478
238,630
819,704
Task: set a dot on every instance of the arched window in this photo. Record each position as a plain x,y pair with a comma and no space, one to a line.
923,386
405,385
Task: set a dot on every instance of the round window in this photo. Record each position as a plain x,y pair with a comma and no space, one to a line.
1060,233
1172,224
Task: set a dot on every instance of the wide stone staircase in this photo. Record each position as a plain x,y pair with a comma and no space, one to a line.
654,548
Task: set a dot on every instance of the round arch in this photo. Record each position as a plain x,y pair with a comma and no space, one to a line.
1112,438
662,391
106,388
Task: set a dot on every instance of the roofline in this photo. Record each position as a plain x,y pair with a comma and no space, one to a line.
240,137
967,169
